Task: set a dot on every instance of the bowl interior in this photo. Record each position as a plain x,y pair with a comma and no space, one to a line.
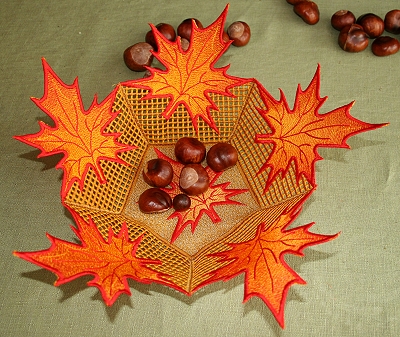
140,123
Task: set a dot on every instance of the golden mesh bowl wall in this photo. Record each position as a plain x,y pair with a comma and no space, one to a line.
141,124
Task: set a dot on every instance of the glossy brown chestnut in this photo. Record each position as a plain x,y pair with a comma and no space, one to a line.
154,200
372,24
194,179
308,11
353,39
138,56
392,21
342,18
185,28
240,33
158,172
165,29
385,46
190,150
181,202
221,156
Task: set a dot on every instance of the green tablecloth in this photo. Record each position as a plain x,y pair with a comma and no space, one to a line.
352,281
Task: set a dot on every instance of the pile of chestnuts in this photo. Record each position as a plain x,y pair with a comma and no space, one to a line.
193,178
140,55
355,34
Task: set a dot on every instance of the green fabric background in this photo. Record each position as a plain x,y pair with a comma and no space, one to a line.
352,281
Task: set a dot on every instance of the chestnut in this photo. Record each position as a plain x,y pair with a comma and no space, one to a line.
194,179
158,172
154,200
353,39
392,21
385,46
342,18
181,202
221,156
149,73
239,32
190,150
225,37
372,24
308,11
185,44
185,28
138,56
165,29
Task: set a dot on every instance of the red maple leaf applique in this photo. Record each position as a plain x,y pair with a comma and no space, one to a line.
78,134
190,75
112,262
202,204
297,134
267,275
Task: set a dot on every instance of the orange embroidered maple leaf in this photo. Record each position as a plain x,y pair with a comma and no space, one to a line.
190,75
267,275
111,262
296,134
202,204
77,133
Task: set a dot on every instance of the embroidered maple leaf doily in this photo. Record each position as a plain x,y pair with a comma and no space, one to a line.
78,134
260,197
111,262
297,134
190,75
267,275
